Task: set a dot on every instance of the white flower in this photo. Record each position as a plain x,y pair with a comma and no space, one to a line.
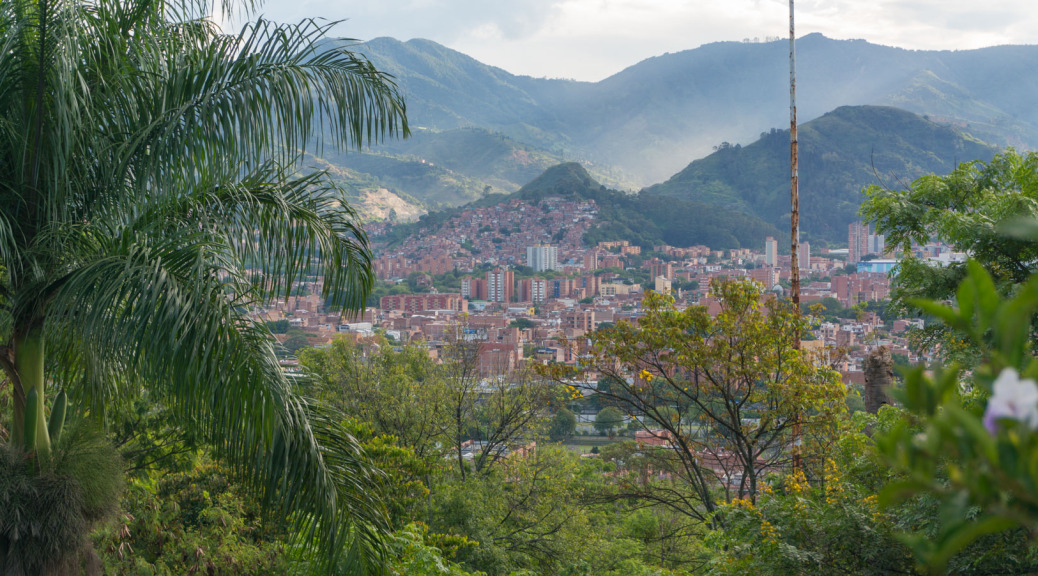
1013,398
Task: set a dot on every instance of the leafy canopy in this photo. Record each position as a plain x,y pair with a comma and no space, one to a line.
149,196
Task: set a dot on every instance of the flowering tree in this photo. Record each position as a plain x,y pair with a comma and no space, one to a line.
971,440
720,393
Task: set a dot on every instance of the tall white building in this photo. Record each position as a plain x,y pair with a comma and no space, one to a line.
500,285
542,257
877,244
771,252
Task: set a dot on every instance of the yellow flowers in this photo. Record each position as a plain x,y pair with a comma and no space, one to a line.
796,482
768,532
872,503
833,483
646,375
745,504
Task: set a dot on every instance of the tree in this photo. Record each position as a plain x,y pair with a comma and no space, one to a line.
525,513
522,323
563,425
833,525
722,392
608,419
500,412
971,209
400,393
296,341
148,196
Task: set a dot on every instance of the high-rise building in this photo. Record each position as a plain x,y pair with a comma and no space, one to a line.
500,285
767,276
876,244
805,256
474,288
857,241
657,267
542,257
533,290
770,252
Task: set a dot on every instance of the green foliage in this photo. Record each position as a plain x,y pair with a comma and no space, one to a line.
149,197
524,514
732,384
608,419
400,394
50,504
522,323
981,468
405,474
971,209
412,556
197,521
278,326
296,342
828,525
563,425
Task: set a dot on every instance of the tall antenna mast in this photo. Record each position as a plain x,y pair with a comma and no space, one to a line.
794,195
794,215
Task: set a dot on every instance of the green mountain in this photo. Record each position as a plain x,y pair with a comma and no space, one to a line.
651,119
840,153
646,220
649,220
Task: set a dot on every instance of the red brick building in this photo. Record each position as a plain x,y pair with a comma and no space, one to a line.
421,302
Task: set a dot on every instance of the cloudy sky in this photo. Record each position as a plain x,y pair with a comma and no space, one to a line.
591,39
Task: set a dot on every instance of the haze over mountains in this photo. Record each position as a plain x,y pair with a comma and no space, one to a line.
480,130
840,152
653,118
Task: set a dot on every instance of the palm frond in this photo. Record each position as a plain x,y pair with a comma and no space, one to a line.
147,179
163,310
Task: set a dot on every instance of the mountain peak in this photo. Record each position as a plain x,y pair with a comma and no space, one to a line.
841,152
567,179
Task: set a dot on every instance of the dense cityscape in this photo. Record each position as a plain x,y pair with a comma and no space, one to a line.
538,270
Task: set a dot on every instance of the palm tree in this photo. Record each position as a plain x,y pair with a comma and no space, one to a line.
149,195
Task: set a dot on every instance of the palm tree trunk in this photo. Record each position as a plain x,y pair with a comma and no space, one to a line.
28,364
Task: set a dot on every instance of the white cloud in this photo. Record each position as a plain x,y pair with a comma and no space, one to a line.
590,39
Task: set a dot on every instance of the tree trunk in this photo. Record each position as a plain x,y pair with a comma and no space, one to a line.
28,364
879,376
458,442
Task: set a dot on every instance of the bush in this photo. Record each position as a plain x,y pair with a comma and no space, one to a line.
48,506
197,521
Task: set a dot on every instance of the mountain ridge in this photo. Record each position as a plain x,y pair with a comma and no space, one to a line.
644,220
840,153
651,118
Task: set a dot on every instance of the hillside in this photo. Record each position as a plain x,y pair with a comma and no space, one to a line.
450,168
840,153
646,220
651,119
